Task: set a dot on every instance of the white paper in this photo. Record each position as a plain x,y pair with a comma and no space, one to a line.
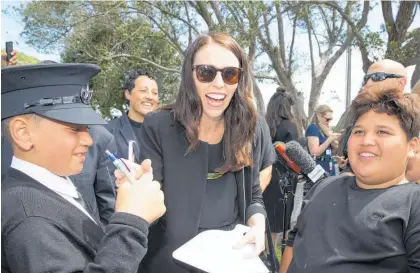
212,251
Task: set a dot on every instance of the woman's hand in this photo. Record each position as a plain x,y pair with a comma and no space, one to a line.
136,171
255,236
334,137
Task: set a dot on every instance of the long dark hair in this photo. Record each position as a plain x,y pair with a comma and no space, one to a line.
279,108
240,117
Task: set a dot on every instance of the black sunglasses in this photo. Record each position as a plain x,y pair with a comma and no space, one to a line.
207,73
379,76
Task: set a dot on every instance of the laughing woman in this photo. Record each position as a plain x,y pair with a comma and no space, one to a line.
207,150
369,222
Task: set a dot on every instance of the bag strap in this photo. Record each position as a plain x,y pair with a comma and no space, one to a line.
271,255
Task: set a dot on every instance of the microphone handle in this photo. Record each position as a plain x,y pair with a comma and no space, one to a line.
297,201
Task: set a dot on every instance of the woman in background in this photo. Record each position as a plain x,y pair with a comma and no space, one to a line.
283,128
321,139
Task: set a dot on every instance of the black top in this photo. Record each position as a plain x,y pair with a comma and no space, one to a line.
184,177
136,128
286,131
344,228
220,206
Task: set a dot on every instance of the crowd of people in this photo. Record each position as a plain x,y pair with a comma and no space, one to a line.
206,161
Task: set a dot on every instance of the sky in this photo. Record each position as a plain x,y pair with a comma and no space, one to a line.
11,27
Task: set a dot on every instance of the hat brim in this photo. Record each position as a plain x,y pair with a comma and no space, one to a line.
77,114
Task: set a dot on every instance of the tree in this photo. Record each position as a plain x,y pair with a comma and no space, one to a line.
399,44
102,33
93,31
252,24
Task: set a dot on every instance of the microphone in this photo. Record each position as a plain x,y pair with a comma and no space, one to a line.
304,161
282,150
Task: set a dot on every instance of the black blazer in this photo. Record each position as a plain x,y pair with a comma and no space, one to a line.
123,132
43,232
184,177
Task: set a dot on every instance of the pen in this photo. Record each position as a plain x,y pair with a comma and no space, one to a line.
120,165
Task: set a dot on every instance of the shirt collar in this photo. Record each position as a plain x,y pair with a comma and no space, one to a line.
61,185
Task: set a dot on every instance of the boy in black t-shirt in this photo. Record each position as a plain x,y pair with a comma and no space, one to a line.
369,222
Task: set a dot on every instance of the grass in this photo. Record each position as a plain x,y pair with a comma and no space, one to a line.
278,252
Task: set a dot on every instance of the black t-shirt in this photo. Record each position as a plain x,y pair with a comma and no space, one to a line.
286,131
136,128
344,228
220,206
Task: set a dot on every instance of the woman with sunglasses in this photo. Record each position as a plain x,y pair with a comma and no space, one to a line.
370,222
207,150
321,139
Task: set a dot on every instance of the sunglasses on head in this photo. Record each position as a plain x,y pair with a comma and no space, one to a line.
207,73
379,76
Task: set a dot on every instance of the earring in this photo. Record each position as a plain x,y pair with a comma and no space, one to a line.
411,154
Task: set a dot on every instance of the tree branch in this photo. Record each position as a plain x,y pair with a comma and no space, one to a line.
176,16
265,77
311,51
158,66
291,46
325,19
215,7
238,19
267,29
189,20
355,28
200,7
173,40
280,27
387,14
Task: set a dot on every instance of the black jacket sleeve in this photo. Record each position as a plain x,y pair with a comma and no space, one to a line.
150,143
104,185
263,156
39,245
412,235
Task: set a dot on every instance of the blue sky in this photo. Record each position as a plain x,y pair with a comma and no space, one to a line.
11,28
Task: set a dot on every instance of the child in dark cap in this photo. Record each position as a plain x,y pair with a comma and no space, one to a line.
46,226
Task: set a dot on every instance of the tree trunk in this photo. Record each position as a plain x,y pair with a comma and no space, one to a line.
416,75
258,98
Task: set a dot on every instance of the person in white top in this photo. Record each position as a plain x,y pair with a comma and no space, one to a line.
45,223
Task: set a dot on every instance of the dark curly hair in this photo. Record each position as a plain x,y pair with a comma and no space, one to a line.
406,107
131,77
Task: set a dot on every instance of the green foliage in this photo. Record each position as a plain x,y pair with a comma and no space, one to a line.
23,59
109,34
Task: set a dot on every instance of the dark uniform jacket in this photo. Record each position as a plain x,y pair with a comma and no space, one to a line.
95,182
184,179
123,132
43,232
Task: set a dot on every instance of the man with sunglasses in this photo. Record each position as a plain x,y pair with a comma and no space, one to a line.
385,74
